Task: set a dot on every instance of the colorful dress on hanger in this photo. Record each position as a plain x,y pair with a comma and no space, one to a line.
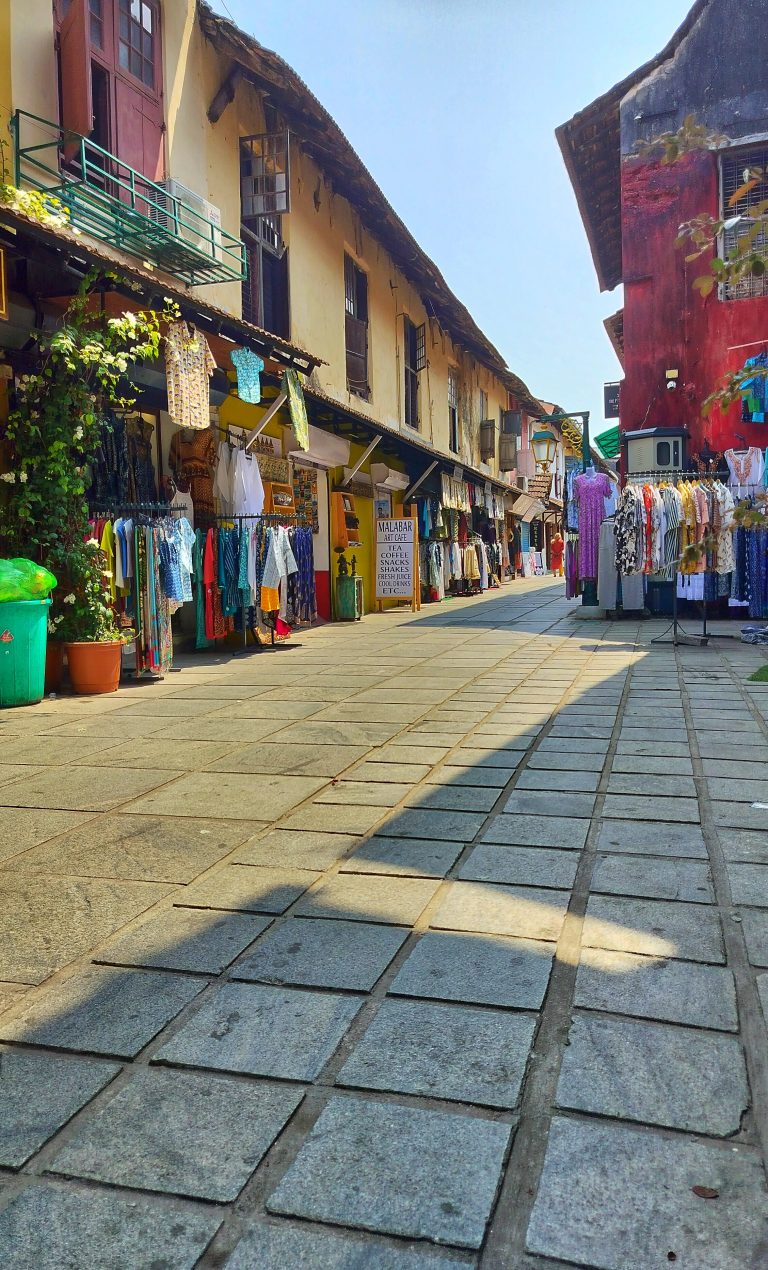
189,365
191,459
590,493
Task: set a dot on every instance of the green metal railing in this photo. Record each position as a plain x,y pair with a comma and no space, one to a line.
114,203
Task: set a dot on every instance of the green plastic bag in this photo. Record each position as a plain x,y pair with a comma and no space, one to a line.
24,580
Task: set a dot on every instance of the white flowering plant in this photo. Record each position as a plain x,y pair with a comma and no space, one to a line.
52,436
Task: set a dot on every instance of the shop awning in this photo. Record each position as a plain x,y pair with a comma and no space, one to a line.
384,477
527,508
325,449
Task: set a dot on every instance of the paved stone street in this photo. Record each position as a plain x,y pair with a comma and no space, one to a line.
442,929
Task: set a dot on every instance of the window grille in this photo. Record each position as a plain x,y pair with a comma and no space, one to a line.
411,342
453,410
265,177
735,166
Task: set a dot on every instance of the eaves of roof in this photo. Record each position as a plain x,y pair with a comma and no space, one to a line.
151,287
591,146
407,444
323,140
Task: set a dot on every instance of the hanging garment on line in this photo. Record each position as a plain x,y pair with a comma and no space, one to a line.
189,365
248,368
590,493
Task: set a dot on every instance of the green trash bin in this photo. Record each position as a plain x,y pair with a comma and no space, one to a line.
23,637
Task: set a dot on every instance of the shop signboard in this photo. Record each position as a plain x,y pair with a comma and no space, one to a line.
397,560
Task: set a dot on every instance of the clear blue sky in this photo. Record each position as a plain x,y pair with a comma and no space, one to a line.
452,105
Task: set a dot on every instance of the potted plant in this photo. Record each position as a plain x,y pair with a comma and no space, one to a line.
54,431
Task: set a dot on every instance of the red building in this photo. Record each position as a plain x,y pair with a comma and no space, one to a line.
714,68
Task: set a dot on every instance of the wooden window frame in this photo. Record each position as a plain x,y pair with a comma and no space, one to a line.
411,373
454,432
356,328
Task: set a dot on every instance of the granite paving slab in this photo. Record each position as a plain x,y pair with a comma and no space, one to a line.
639,808
536,802
654,1074
333,818
323,953
659,765
746,743
577,732
492,909
290,849
585,782
446,797
165,707
247,889
443,1051
313,732
734,815
407,750
429,734
749,884
279,1245
286,759
50,921
184,1133
526,866
397,773
479,759
404,857
656,838
109,727
208,728
454,826
652,786
262,708
144,754
363,793
263,1031
658,735
22,828
404,1171
755,927
537,831
235,796
371,712
654,749
612,1196
38,1094
477,969
747,845
727,789
714,721
49,1227
185,939
662,879
134,848
559,745
654,928
729,767
657,988
480,777
103,1011
364,897
82,788
53,749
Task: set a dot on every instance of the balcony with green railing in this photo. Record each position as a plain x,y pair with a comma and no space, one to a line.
112,202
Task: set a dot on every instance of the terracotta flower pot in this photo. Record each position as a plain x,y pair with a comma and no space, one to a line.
54,666
95,668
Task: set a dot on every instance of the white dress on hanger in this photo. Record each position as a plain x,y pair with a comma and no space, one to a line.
222,481
746,469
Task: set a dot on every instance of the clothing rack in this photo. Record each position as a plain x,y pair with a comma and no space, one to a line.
679,634
274,518
117,509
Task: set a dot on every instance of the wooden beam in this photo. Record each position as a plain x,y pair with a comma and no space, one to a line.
279,401
361,461
224,95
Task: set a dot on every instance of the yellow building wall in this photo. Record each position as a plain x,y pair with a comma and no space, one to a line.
322,227
365,555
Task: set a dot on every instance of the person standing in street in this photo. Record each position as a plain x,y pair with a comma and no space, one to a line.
556,549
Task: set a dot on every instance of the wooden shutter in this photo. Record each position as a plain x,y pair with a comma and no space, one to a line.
357,354
421,347
76,88
139,129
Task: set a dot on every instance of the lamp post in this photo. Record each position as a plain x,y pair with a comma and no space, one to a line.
589,588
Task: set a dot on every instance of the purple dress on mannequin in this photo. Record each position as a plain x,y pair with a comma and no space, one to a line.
590,492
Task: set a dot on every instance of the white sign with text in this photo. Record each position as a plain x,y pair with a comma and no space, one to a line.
394,559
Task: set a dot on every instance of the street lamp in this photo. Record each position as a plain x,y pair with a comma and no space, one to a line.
544,445
589,589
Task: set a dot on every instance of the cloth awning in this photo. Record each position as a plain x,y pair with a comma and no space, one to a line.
527,508
384,477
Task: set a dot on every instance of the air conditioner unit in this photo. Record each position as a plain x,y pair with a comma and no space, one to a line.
186,214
